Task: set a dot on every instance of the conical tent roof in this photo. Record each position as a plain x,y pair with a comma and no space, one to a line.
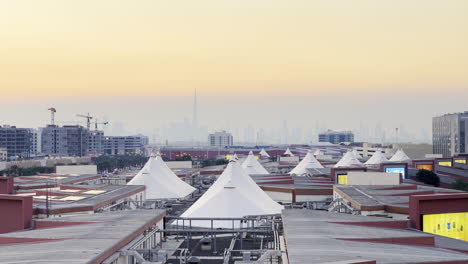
252,166
234,194
348,160
400,156
160,181
309,162
377,158
318,152
288,152
263,153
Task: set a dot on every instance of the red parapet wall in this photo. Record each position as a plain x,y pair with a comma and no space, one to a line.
435,204
16,213
6,185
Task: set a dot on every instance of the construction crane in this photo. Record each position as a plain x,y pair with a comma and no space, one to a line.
52,115
88,120
96,123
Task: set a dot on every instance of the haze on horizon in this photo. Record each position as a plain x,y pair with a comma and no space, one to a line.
333,64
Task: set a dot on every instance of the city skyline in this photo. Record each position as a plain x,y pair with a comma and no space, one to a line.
372,118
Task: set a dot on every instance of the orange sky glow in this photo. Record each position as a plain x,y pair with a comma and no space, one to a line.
122,48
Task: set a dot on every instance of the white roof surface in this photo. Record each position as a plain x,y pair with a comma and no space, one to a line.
348,160
263,153
252,166
309,162
160,181
234,194
288,152
400,156
377,158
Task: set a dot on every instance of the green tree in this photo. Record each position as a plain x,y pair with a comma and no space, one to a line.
460,184
428,177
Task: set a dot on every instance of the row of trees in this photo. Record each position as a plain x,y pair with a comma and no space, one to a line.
15,171
429,177
110,163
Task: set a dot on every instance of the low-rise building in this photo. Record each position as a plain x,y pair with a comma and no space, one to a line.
220,139
121,145
336,137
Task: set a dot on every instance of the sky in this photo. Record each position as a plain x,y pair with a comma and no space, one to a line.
323,55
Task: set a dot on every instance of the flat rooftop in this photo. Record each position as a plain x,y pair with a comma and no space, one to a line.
71,194
76,239
383,197
323,237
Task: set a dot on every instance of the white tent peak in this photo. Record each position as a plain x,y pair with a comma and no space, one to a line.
400,156
318,152
288,152
377,158
348,160
264,153
234,194
160,181
252,166
309,162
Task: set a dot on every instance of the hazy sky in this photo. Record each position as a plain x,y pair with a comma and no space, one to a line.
373,52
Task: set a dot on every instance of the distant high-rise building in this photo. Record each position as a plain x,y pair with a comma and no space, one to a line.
3,154
449,134
336,137
96,142
220,139
35,141
64,141
16,141
125,145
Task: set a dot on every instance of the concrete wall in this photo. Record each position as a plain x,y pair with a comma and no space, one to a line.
294,159
373,178
280,196
179,164
311,198
76,169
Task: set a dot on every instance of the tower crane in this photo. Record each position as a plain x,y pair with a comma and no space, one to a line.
52,115
88,120
96,123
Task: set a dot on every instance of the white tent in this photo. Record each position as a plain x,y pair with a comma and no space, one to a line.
252,166
377,158
234,194
356,154
160,181
400,156
318,152
263,153
348,160
288,152
309,162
